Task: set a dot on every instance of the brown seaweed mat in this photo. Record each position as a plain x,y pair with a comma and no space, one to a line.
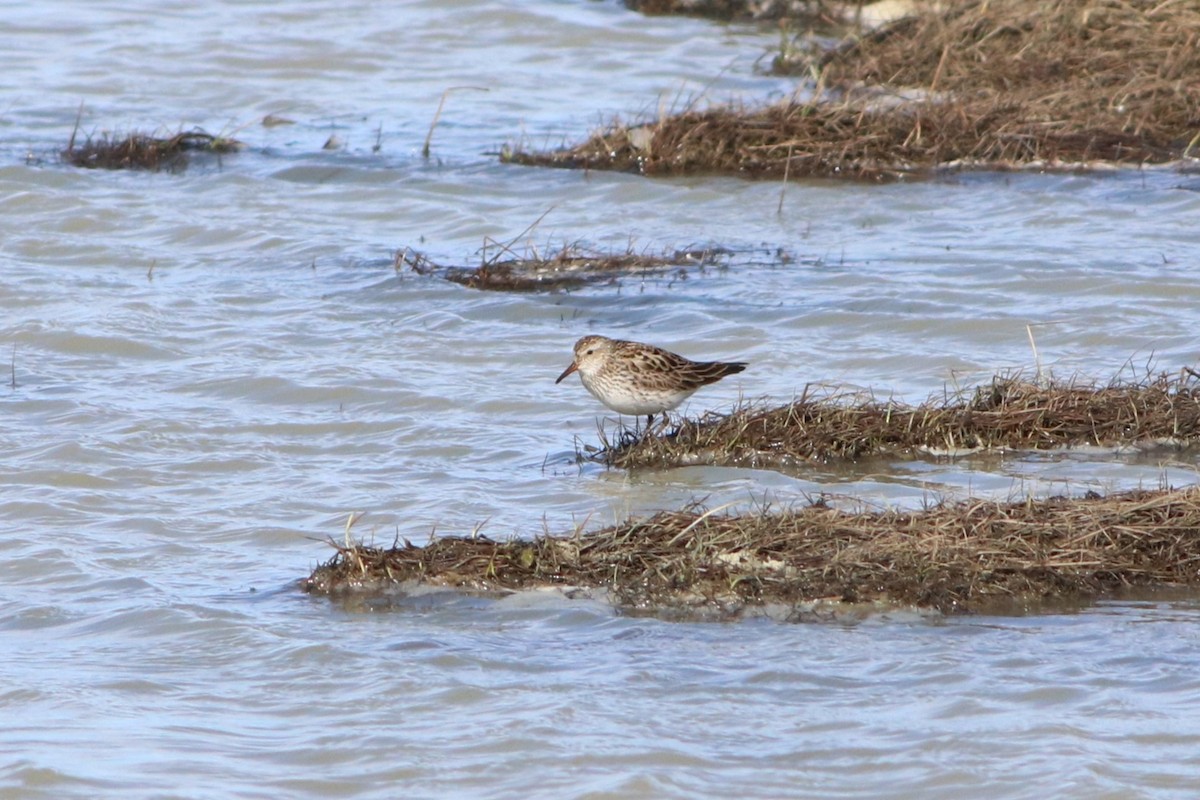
978,84
953,557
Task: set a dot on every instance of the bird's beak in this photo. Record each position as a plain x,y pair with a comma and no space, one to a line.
567,371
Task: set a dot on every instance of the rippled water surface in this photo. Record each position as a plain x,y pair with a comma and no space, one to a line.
204,373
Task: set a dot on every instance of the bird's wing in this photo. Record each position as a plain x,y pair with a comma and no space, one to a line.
690,375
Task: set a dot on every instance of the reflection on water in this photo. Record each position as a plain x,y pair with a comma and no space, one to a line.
213,369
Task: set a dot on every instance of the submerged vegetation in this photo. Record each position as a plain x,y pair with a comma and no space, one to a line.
953,557
974,84
143,151
1007,414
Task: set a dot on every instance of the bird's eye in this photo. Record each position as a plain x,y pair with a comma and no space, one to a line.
589,352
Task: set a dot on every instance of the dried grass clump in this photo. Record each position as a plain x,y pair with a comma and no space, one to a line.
571,267
1077,80
142,151
796,139
976,84
968,556
1008,414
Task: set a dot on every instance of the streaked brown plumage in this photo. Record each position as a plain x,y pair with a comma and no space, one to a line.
635,378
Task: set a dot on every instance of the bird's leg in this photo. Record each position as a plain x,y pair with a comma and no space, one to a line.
644,432
628,438
666,421
649,432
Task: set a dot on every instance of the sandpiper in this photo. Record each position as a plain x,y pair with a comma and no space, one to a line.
635,378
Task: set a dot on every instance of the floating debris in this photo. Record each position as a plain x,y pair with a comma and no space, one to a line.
142,151
571,267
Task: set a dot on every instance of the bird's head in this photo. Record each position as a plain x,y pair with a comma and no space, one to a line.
590,353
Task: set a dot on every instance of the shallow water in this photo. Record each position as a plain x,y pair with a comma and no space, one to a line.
214,368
